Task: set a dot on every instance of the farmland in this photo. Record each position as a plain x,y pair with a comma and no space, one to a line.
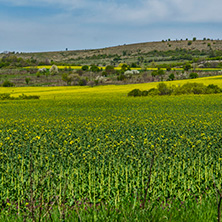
90,148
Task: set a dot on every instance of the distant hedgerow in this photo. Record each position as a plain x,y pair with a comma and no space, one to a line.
188,88
7,96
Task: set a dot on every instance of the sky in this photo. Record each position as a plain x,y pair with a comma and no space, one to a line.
54,25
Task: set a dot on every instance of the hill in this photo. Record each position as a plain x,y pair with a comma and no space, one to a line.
126,53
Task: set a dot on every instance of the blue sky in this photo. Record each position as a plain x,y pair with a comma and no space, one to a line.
51,25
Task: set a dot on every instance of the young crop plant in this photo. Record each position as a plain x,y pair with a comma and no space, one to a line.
93,153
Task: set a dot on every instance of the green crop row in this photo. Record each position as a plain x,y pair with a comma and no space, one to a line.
100,149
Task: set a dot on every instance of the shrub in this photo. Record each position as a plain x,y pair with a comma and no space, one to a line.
82,82
4,96
27,80
153,92
189,43
7,83
187,67
171,77
135,92
193,75
94,68
54,70
145,93
110,69
168,68
154,73
104,73
23,96
85,68
188,88
163,89
213,89
121,77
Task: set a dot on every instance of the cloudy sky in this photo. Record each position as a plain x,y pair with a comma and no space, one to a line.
51,25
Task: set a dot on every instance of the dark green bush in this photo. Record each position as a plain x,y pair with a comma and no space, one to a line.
23,96
85,68
110,69
188,88
171,77
135,92
153,92
94,68
145,93
82,82
164,89
213,89
193,75
121,77
7,83
4,96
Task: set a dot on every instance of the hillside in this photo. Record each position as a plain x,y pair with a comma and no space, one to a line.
156,61
124,52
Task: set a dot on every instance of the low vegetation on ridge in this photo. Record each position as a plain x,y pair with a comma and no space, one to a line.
187,88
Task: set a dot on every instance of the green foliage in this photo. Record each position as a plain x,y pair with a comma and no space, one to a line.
121,77
168,68
135,92
10,61
153,92
189,43
23,96
171,77
82,81
94,68
164,89
213,89
66,78
193,75
87,155
27,80
7,83
154,73
85,68
187,67
7,96
188,88
109,69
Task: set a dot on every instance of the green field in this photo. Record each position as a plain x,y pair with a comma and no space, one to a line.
94,145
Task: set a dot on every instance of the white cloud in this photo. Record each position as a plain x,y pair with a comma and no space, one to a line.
136,12
153,11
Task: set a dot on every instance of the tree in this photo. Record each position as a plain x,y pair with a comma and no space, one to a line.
154,73
7,83
168,68
109,69
27,80
94,68
171,77
54,70
187,67
193,75
85,68
66,78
